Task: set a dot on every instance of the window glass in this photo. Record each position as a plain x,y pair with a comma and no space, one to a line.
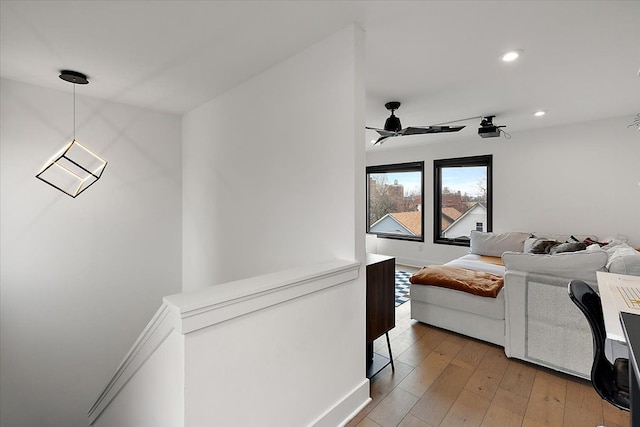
395,201
462,198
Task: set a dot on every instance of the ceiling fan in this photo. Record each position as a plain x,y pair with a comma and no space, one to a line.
392,126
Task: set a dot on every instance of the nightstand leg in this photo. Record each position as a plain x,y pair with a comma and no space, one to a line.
393,368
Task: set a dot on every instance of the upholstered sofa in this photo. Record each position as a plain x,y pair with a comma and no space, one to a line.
532,317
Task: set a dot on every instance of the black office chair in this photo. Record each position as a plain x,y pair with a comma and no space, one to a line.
610,381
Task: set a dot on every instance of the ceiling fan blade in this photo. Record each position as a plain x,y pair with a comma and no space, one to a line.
416,130
383,132
420,130
448,128
380,140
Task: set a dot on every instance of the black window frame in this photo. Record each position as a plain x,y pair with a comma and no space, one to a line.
391,168
438,165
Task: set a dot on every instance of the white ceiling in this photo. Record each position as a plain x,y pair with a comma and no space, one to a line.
439,58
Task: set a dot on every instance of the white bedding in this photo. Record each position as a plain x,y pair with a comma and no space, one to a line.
472,262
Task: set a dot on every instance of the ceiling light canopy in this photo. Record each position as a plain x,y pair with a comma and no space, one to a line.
392,124
511,55
74,77
74,168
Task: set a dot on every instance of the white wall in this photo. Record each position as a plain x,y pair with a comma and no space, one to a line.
577,179
283,366
269,169
80,277
273,179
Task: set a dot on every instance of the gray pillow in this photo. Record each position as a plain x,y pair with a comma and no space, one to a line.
567,247
543,246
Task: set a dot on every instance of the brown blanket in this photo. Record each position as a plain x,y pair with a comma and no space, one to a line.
461,279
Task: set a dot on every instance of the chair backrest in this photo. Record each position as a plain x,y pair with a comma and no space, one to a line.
588,301
602,373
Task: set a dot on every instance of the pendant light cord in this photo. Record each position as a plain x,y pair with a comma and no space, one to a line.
74,111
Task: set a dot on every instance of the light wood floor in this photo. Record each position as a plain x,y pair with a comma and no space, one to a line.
445,379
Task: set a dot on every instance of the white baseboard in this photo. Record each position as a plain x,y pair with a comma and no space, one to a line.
346,408
414,262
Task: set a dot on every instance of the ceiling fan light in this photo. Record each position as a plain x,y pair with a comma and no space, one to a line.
392,124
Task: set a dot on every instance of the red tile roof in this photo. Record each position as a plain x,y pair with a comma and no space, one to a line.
411,220
449,216
452,213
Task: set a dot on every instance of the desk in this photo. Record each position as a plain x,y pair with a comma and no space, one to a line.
622,323
613,303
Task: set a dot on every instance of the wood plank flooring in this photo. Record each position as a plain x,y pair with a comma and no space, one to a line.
446,379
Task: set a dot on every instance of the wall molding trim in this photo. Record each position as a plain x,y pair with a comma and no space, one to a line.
215,304
163,323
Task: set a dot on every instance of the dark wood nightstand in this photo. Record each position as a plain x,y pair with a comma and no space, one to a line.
381,310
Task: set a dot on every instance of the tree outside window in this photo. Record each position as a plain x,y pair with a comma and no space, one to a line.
395,201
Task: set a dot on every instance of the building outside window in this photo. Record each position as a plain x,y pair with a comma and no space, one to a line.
395,197
462,198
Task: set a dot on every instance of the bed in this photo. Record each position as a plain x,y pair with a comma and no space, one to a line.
481,317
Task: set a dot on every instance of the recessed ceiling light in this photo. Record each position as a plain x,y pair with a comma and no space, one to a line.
511,56
540,113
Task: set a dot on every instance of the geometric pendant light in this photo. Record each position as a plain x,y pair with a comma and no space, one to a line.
74,168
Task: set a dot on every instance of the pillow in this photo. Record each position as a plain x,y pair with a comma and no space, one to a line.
567,247
571,265
565,237
542,246
614,244
490,244
528,243
624,260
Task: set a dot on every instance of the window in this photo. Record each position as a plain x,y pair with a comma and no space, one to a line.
395,201
462,198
